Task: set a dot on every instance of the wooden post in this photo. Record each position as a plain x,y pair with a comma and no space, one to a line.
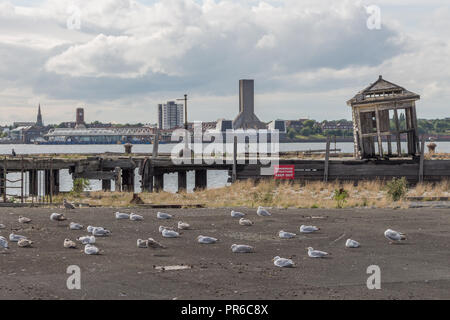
159,181
33,182
5,181
201,180
397,126
56,183
182,181
106,185
118,181
380,141
21,180
234,173
128,180
389,143
327,160
147,175
422,155
156,145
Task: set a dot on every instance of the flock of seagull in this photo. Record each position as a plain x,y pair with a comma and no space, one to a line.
169,232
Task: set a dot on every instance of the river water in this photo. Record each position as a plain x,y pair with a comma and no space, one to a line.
216,179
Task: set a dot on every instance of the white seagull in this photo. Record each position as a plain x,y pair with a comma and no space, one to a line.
283,262
206,240
161,228
245,222
2,226
136,217
286,235
352,243
57,217
308,229
142,243
122,216
166,233
316,253
87,240
24,219
100,232
69,244
75,226
183,225
394,236
242,248
90,249
68,205
162,215
236,214
152,243
24,243
15,237
262,212
4,243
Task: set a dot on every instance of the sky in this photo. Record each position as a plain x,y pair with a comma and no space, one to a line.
119,58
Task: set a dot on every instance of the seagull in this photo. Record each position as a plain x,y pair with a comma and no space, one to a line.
183,225
24,219
394,236
283,262
15,237
154,244
57,217
4,243
236,214
2,226
136,217
24,243
90,249
245,222
308,229
352,244
75,226
100,232
162,215
68,205
206,240
122,216
142,243
166,233
161,228
286,235
262,212
87,240
316,253
242,248
69,244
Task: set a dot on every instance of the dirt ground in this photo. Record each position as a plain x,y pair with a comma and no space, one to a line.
417,269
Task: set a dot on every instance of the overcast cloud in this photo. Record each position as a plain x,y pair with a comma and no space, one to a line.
307,57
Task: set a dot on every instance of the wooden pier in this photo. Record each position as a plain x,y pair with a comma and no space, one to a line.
39,177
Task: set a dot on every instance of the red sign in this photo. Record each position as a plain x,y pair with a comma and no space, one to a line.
284,172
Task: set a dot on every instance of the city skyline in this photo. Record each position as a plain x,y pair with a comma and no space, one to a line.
302,68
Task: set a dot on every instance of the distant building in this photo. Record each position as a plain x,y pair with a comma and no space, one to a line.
295,124
39,122
79,123
224,125
279,125
246,118
170,115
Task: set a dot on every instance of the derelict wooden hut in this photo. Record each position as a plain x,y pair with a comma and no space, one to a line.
377,125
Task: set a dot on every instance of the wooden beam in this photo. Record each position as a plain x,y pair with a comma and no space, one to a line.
397,134
234,172
201,179
422,158
327,161
182,181
380,141
156,145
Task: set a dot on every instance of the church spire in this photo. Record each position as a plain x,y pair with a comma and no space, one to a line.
39,122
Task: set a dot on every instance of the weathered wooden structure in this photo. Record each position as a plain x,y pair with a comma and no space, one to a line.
376,119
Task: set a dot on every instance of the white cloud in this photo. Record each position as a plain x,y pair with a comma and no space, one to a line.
135,54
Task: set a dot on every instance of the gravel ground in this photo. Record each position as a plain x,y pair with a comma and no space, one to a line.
417,269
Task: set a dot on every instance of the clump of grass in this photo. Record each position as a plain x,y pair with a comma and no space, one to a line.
397,188
340,196
79,185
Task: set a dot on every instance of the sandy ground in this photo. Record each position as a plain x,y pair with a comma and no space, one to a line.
417,269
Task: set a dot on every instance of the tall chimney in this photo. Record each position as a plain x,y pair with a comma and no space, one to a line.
246,97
